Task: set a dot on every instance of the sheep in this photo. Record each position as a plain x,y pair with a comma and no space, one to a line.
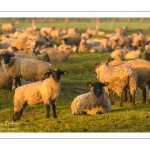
72,40
119,52
46,92
60,55
119,77
8,27
28,69
133,54
147,51
93,102
42,56
142,68
72,31
24,44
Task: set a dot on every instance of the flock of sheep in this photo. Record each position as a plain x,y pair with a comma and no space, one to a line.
26,56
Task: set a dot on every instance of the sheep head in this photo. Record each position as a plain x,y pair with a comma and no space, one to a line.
98,87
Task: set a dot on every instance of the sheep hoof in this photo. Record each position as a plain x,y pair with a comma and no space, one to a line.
144,101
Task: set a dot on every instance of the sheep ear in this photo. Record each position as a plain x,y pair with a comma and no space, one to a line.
12,55
89,83
47,74
106,83
64,72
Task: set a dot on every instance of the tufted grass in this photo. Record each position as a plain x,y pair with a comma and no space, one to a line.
126,119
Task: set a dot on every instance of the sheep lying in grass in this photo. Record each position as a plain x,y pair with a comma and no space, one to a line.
93,102
46,92
142,68
43,56
119,77
58,55
28,69
133,54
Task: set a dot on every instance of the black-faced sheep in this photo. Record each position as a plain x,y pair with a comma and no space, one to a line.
119,77
93,102
28,69
46,92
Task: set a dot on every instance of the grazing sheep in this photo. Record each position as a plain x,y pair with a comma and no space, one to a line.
28,69
46,92
93,102
8,27
119,77
142,68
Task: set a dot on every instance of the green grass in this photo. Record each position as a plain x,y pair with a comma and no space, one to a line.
79,66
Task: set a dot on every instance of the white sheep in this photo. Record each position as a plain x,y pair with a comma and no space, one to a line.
28,69
142,68
93,102
60,55
133,54
42,56
119,77
46,92
8,27
119,52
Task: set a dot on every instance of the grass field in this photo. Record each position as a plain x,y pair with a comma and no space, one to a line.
79,66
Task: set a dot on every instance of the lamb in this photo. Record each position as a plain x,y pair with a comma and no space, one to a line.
46,92
142,68
28,69
93,102
119,77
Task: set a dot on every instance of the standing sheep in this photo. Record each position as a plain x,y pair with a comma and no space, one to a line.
142,68
93,102
119,77
28,69
46,92
8,27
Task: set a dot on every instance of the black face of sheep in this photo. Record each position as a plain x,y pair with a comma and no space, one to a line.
56,74
6,57
98,87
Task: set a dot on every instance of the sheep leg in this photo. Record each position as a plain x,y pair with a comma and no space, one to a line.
144,95
17,115
113,98
125,95
121,105
17,82
133,98
48,110
54,109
